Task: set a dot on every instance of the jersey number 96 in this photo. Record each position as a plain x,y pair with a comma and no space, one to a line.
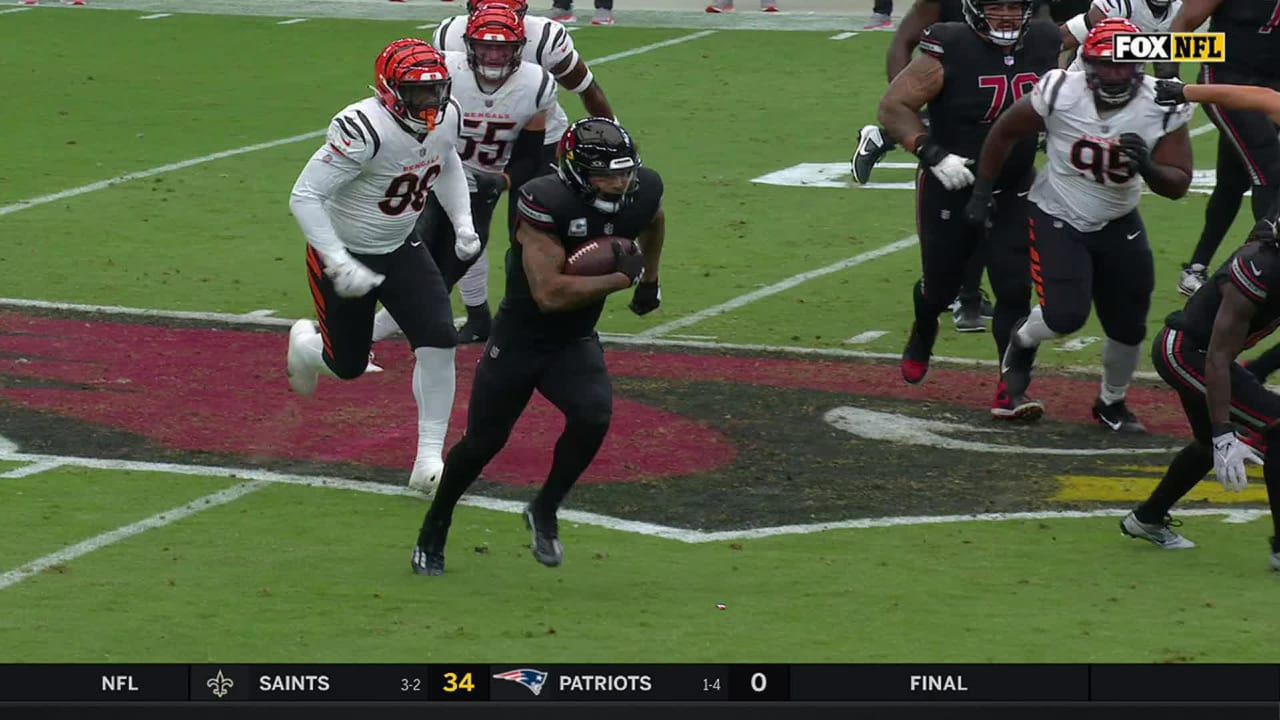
407,190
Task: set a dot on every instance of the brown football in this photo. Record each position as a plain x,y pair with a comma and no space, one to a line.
595,257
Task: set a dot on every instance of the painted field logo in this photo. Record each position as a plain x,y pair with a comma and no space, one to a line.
1170,47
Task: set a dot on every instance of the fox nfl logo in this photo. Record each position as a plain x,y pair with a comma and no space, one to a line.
1169,47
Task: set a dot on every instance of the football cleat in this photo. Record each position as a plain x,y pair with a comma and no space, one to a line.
1193,276
1011,407
429,562
871,148
915,357
878,21
718,7
768,6
1117,417
1275,555
546,539
985,308
1017,364
1157,534
967,315
425,477
562,15
602,17
302,377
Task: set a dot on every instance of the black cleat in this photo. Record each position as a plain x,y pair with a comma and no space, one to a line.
546,540
872,146
1117,417
427,562
985,307
968,314
1017,363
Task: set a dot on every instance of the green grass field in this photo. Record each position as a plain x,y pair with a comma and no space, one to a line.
290,573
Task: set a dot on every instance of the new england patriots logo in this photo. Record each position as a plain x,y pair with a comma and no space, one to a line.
532,679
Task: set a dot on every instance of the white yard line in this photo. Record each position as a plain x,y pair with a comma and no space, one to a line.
259,478
866,337
1206,128
294,21
10,11
102,184
426,27
33,469
157,16
774,289
85,547
843,36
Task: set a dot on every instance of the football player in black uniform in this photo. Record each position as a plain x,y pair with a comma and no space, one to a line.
1248,151
544,335
1196,354
968,74
971,305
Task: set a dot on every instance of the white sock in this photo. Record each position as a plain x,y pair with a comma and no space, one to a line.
384,326
1034,331
474,286
1119,362
433,386
311,349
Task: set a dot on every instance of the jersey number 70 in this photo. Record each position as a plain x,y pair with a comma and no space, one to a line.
1022,83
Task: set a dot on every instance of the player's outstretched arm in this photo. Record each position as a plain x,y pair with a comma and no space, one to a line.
912,89
543,259
906,37
1019,121
1169,171
1230,328
1193,14
1250,98
1074,30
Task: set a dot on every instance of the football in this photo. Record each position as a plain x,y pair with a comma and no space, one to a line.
595,257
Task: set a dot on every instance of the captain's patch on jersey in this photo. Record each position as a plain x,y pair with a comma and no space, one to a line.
1170,47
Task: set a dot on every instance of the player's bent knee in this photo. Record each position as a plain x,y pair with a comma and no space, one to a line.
595,422
437,335
1134,335
349,368
1064,321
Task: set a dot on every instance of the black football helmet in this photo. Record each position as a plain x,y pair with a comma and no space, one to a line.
975,14
595,148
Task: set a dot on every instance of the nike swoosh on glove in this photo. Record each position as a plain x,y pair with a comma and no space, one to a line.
1229,457
351,279
466,244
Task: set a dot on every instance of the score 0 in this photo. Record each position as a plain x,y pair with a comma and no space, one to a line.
761,683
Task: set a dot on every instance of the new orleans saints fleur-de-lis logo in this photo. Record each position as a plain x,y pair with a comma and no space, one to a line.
220,684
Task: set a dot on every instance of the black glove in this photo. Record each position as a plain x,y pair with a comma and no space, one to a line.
1166,70
1170,92
647,298
981,205
929,153
1135,150
628,260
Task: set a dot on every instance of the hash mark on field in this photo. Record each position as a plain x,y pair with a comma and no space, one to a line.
157,16
843,36
15,10
33,469
85,547
428,26
294,21
73,192
1079,343
866,337
1205,128
774,289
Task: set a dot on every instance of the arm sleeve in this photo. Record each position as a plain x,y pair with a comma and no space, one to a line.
451,187
1248,279
335,164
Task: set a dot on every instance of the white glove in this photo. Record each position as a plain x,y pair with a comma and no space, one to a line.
351,279
953,172
466,244
1229,457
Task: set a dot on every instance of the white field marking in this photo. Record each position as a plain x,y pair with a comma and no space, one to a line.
73,192
10,11
692,337
1205,128
774,289
261,477
260,313
294,21
907,430
32,469
843,36
98,542
257,317
863,338
157,16
425,27
1078,343
102,184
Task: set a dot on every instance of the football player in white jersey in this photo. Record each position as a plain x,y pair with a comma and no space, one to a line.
356,201
1146,15
550,46
505,102
1106,136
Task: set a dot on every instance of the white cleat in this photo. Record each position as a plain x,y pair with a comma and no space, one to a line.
302,377
1157,534
372,367
1193,276
425,477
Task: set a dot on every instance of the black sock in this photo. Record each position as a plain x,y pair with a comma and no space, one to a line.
461,468
1187,469
1267,363
575,450
927,311
1219,213
478,317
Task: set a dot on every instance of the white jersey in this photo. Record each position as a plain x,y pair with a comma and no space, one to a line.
1136,11
1086,182
491,121
365,187
547,44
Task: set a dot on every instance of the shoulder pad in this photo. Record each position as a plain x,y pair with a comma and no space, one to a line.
352,135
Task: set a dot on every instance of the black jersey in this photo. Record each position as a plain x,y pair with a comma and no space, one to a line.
551,206
1253,269
981,81
1252,29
